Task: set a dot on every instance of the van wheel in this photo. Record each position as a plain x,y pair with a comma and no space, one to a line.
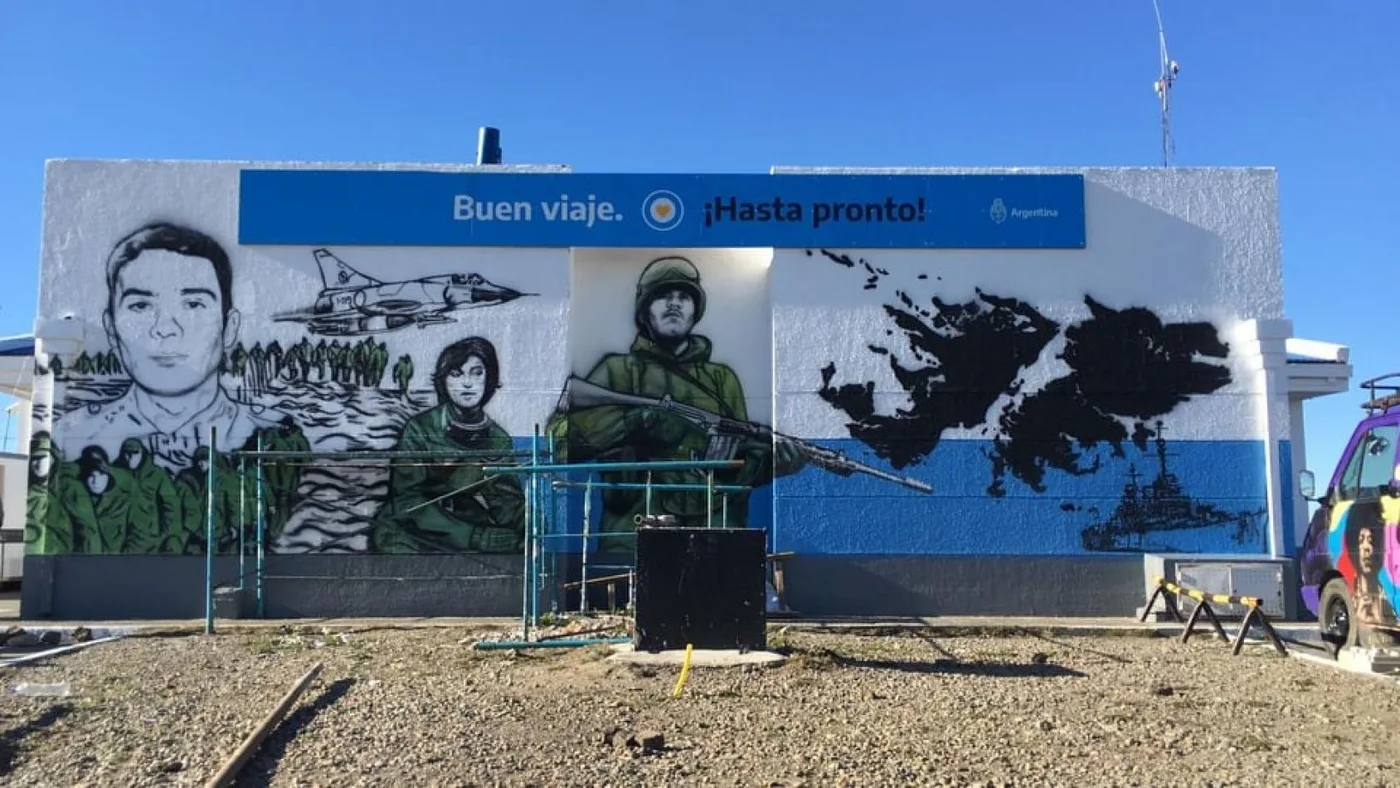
1336,618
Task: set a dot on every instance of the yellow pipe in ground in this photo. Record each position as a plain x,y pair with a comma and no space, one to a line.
685,672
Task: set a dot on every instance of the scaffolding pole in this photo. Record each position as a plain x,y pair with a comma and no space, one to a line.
540,508
696,487
605,467
242,526
261,458
526,586
386,455
209,481
262,525
541,504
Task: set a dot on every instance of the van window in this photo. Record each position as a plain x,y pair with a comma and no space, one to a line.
1371,465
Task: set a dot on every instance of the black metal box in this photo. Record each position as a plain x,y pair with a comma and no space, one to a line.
229,602
701,586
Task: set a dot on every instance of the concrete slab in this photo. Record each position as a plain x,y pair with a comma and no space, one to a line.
9,605
1346,666
699,658
1370,660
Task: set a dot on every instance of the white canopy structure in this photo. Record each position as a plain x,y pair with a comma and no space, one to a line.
17,366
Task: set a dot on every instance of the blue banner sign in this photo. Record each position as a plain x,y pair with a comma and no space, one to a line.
405,208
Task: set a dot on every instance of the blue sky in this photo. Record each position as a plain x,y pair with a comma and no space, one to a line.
730,86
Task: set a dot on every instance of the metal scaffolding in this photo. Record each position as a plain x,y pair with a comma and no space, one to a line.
547,536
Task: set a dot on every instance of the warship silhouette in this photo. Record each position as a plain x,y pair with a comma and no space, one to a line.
1160,506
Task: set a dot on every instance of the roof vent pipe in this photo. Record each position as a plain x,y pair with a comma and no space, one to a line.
488,146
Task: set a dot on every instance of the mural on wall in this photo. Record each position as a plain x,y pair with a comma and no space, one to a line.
351,303
667,359
438,508
136,416
121,465
1122,370
1147,514
667,398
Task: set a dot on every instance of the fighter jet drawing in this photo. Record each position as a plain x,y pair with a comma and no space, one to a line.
351,304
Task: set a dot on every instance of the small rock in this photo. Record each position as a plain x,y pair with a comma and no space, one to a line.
171,767
1040,658
51,638
610,735
1163,690
82,635
648,741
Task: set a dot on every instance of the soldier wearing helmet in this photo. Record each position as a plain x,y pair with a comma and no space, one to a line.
667,359
48,529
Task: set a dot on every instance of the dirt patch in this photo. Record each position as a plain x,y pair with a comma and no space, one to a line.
423,706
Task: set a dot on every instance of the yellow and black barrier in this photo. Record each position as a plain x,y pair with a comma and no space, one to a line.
1255,616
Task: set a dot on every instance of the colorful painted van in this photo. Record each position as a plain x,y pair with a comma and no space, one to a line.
1350,558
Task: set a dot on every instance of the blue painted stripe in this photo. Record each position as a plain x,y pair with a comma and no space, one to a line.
817,513
414,208
823,514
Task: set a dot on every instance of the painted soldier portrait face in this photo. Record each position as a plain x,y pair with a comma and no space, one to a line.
40,464
168,321
672,314
97,481
466,385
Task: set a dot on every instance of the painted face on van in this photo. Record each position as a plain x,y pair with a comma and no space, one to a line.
1366,550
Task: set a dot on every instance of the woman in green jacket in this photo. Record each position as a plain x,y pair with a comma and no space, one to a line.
450,506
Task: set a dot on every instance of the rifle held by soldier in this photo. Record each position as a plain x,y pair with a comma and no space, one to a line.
580,394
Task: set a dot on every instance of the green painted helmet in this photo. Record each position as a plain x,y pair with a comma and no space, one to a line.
40,443
666,273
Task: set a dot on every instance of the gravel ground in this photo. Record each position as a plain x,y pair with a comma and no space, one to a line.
398,705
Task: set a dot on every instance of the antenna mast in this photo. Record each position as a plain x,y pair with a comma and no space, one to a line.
1163,86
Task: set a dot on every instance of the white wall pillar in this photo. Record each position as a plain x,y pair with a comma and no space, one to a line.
23,426
1263,344
62,337
1301,513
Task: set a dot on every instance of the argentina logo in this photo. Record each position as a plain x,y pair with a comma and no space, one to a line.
662,210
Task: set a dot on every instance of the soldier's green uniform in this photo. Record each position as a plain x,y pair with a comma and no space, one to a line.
101,523
193,487
279,495
48,530
488,518
627,434
281,480
155,503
